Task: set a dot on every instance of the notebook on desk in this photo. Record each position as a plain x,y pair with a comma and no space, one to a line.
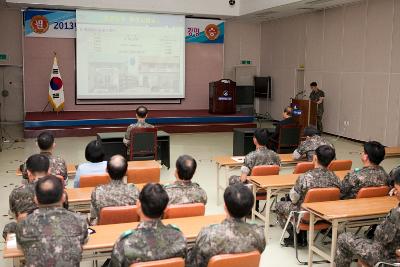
239,159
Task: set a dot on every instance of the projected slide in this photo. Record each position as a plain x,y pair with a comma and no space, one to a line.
121,55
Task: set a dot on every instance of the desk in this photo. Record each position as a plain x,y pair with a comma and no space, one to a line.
100,244
391,152
228,163
343,211
113,144
79,198
71,170
273,185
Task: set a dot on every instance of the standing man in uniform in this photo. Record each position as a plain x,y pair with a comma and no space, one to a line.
183,190
52,235
317,96
151,240
383,246
116,193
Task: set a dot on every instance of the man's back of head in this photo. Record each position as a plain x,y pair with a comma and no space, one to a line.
49,190
153,200
186,167
375,152
141,112
38,165
45,141
94,152
239,200
310,131
325,154
116,167
261,136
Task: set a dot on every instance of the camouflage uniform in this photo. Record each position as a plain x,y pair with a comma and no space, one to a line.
138,124
261,156
150,241
21,199
52,237
364,177
316,178
315,96
307,147
229,237
392,174
185,192
10,228
116,193
381,248
57,166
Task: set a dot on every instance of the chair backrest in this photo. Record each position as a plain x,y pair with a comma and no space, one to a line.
249,259
264,170
289,135
340,165
184,210
303,167
120,214
320,195
143,145
376,191
174,262
141,176
93,180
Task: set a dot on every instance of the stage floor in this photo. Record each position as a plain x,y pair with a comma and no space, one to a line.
84,123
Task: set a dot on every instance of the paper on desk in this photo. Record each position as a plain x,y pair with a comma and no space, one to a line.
238,159
11,241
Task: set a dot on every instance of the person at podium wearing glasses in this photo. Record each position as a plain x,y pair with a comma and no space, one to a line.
317,96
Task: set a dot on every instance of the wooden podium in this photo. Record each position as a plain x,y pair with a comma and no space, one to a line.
308,111
222,97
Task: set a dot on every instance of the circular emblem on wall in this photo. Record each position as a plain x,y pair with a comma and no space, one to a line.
56,83
39,24
212,32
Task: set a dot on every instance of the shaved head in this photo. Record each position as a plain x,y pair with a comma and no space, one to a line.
116,167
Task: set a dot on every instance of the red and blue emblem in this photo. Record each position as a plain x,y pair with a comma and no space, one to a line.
56,83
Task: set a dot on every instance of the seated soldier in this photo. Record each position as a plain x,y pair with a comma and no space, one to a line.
383,246
231,236
393,173
141,115
44,240
46,144
96,164
370,175
116,193
319,177
183,191
151,240
21,199
307,147
287,120
261,156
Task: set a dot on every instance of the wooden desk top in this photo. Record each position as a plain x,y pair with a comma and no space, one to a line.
392,151
71,170
84,194
228,161
145,164
106,235
283,180
352,208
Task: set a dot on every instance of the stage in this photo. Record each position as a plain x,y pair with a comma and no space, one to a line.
88,123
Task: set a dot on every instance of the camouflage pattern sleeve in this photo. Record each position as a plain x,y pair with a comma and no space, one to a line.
85,234
248,163
63,169
11,203
302,149
199,255
9,229
94,212
117,255
385,232
277,159
127,137
259,230
347,184
296,191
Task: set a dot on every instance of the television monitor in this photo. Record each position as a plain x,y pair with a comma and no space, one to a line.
244,95
263,87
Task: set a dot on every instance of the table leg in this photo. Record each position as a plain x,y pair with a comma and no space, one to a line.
267,209
253,215
311,239
218,168
334,242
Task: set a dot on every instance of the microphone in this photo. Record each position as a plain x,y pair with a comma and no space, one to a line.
299,93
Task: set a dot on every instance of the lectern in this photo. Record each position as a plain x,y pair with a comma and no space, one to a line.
306,112
222,97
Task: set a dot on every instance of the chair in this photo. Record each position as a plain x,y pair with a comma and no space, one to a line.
141,176
121,214
340,165
184,210
249,259
264,170
288,140
361,263
301,224
376,191
143,145
173,262
303,167
93,180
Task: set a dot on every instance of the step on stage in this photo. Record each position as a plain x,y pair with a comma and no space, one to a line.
89,123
